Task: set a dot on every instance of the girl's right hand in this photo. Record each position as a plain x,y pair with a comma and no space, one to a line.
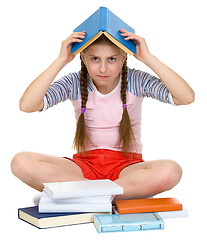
65,52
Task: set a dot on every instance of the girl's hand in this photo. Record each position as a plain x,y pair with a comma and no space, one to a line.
65,52
141,46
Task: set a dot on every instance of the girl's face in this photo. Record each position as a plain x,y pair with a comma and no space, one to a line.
104,63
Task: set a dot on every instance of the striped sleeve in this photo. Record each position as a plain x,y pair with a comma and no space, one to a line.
68,87
143,84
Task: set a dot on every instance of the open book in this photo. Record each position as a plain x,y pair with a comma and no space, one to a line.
103,21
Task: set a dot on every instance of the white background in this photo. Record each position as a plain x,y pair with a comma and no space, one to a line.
31,36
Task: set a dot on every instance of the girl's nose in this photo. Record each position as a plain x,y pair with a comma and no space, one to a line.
103,67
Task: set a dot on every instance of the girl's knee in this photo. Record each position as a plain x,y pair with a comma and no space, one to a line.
18,163
172,174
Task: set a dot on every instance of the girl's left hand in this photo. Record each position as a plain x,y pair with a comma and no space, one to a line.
141,46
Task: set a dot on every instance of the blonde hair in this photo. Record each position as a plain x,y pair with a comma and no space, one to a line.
126,136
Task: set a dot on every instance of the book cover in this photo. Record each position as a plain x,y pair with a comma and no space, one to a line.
49,220
103,21
128,222
88,188
148,205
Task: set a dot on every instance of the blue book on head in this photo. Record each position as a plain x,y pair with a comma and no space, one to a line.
103,21
128,222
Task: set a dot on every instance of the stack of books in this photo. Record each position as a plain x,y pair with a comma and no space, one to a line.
79,196
139,215
67,203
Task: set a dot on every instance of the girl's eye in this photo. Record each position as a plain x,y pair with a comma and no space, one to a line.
112,59
95,59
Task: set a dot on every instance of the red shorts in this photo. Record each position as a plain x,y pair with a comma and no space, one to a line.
103,163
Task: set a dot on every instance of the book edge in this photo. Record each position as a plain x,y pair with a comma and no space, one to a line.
24,217
151,209
118,44
88,43
92,193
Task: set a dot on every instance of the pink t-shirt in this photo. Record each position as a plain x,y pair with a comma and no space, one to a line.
104,112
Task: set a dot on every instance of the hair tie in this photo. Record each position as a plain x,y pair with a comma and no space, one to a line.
124,106
83,110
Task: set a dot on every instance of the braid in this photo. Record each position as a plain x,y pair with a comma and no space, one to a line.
127,138
124,82
81,136
83,84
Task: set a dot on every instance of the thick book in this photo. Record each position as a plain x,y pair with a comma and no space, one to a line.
92,204
49,220
128,222
73,189
148,205
103,21
47,207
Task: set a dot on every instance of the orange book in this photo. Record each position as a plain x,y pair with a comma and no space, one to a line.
148,205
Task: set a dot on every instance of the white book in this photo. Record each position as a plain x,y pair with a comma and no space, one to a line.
74,189
174,214
53,207
95,199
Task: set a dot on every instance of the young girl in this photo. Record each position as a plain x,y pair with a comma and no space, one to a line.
107,98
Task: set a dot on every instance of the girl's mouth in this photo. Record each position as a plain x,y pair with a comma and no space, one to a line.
103,77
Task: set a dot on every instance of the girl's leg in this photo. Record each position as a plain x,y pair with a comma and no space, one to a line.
34,169
142,180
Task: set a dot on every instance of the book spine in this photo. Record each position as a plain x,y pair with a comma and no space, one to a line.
103,21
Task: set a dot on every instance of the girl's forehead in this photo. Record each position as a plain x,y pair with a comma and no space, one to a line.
103,49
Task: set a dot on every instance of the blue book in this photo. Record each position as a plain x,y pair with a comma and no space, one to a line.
48,220
128,222
103,21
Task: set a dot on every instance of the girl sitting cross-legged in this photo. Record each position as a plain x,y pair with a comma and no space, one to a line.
107,98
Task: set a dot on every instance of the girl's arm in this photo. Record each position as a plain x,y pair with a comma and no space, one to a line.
32,99
181,92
